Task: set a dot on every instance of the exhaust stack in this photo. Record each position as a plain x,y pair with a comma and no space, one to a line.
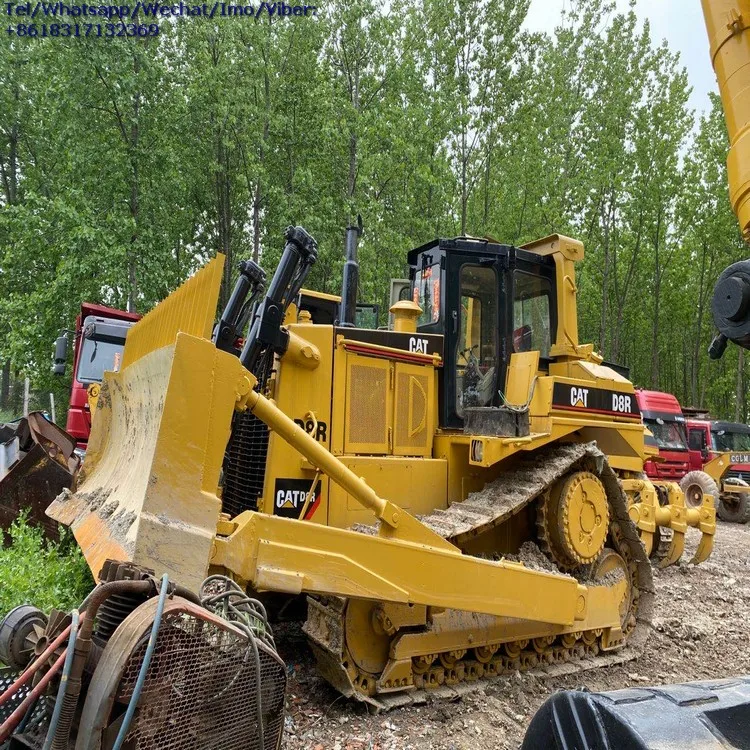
348,309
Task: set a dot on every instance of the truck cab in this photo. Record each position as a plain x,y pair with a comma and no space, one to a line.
709,437
663,417
99,340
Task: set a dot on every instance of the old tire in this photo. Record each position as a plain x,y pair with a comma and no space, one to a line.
734,508
695,485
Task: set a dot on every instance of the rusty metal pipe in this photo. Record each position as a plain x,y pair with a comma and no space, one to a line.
83,647
13,720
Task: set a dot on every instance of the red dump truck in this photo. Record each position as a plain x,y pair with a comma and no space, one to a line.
705,456
663,416
99,339
37,459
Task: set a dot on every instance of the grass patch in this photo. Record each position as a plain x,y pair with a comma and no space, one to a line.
36,571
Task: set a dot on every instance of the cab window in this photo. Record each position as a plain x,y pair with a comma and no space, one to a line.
101,350
697,440
476,349
531,313
427,294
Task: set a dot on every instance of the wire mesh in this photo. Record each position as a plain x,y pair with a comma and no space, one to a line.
201,687
35,726
245,464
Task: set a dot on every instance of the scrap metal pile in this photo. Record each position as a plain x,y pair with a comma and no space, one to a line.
143,663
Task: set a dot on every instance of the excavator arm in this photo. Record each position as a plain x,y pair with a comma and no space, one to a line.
728,27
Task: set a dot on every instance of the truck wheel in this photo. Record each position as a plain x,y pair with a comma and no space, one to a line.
734,508
695,485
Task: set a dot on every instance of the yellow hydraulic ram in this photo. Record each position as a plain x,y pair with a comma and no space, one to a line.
728,26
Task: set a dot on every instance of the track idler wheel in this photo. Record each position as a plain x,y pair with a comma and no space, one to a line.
573,520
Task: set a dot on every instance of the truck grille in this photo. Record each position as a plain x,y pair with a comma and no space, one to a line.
744,475
245,464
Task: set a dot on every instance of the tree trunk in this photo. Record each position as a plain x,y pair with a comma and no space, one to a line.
739,399
223,212
134,196
464,186
258,192
603,321
10,173
5,385
658,271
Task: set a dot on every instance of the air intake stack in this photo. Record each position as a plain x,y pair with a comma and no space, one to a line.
348,310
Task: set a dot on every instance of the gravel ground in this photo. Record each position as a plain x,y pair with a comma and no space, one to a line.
700,631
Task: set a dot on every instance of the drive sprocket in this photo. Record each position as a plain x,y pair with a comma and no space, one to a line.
573,520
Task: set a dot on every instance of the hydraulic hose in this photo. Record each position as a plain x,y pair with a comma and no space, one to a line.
59,701
83,647
132,705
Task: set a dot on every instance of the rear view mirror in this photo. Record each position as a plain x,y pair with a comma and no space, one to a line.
61,354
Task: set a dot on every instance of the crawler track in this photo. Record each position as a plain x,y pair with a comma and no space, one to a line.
444,674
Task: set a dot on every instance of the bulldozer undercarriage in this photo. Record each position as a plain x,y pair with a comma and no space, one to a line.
389,655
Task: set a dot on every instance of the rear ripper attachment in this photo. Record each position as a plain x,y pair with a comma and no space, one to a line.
662,516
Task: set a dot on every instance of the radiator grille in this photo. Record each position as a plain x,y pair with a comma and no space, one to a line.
201,690
367,414
245,464
743,475
411,415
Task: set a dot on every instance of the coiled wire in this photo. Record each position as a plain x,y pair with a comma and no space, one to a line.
224,597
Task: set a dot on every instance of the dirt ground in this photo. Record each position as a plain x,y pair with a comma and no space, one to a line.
700,631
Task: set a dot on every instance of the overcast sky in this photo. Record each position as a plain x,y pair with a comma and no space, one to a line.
680,22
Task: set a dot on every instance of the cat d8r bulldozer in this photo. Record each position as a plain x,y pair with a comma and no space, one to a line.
445,493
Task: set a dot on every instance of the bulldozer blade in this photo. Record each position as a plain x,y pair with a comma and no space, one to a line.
47,466
705,547
675,550
148,488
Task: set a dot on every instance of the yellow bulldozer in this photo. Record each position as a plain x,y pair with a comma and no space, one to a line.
457,497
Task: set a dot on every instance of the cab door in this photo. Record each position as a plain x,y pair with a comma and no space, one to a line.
475,349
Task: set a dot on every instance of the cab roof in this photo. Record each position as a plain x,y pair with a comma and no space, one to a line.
738,427
468,244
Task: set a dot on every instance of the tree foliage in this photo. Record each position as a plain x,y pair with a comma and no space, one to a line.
125,165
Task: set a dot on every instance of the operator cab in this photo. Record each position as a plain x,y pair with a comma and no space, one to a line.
488,300
101,347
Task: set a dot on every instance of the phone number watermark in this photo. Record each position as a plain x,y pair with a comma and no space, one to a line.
60,19
63,30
